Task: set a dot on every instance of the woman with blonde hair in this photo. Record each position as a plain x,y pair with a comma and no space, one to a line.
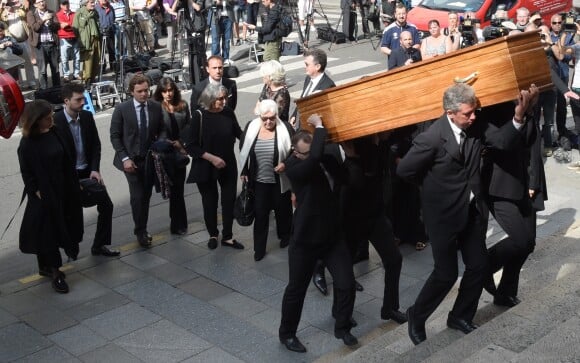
274,78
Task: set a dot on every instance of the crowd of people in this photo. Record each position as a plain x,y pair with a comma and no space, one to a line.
330,200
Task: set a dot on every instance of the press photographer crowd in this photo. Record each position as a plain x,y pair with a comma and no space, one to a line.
436,182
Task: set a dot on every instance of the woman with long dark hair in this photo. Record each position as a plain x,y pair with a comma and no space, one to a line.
213,133
53,217
176,118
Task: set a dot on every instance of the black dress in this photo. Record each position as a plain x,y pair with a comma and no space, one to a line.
56,219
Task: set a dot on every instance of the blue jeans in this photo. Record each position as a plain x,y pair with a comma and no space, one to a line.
221,30
65,49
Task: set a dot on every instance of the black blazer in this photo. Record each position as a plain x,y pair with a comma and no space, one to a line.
231,86
89,136
125,130
325,82
316,215
435,162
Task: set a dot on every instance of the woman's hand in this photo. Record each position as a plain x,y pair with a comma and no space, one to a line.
280,168
177,145
244,178
218,162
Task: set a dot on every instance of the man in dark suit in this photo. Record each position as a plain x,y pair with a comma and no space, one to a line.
314,237
78,130
135,125
215,69
445,160
316,80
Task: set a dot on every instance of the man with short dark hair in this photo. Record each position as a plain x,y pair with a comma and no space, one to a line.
135,125
392,33
215,70
79,131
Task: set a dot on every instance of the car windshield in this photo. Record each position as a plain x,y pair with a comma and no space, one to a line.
448,5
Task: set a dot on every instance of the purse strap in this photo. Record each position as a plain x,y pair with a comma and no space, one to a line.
200,124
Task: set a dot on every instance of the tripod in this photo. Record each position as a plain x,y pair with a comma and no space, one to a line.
121,56
139,37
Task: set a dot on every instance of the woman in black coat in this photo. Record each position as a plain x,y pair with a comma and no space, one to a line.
53,217
210,141
176,118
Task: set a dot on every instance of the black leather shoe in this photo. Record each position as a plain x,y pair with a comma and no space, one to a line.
416,331
234,244
320,282
459,324
258,256
293,344
104,251
353,323
394,315
212,243
180,232
284,242
59,284
347,338
143,240
358,286
509,301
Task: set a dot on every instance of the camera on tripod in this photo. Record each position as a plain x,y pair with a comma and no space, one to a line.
569,21
467,30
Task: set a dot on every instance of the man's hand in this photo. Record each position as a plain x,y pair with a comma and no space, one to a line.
531,192
129,166
571,94
526,100
292,121
244,178
315,120
96,175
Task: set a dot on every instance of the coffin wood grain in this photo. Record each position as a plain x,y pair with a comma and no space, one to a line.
414,93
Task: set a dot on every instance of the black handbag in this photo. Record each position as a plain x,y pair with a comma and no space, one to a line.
90,191
290,48
244,206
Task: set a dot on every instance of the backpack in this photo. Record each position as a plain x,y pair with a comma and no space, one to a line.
285,23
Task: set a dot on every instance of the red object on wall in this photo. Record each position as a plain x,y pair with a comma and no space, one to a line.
11,104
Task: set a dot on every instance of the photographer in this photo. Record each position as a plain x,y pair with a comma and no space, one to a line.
497,28
405,54
43,39
392,33
221,18
268,33
8,44
140,10
107,25
86,27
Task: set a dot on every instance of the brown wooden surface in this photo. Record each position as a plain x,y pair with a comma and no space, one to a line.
414,93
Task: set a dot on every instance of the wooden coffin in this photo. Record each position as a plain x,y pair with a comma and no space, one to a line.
497,70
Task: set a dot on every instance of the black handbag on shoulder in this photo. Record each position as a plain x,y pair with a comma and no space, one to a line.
90,191
244,206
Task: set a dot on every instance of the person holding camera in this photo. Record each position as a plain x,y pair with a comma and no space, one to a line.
86,26
405,54
141,11
44,40
268,32
107,25
68,41
392,33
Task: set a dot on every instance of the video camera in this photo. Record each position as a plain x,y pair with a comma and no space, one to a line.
466,28
569,21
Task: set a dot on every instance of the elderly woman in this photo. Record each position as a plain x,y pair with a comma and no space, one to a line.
176,118
214,130
264,145
437,43
275,88
53,217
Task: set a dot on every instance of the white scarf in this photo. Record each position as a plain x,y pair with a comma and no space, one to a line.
282,140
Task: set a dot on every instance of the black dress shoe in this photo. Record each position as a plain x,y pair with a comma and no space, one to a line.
293,344
258,256
104,251
284,242
460,324
59,284
509,301
347,338
353,323
320,282
212,243
394,315
416,331
358,286
234,244
143,240
180,232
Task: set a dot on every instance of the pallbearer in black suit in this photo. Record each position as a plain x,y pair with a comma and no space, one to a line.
79,132
445,161
135,124
315,237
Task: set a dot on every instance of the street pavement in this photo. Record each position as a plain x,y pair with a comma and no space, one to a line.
179,301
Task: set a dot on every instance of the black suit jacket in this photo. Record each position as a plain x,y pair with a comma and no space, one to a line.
325,82
230,84
435,162
316,215
89,136
125,130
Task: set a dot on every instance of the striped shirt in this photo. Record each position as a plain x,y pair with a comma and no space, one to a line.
264,150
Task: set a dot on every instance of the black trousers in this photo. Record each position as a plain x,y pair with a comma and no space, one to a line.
49,260
177,210
50,57
105,211
518,220
471,243
140,189
228,181
301,261
267,198
379,231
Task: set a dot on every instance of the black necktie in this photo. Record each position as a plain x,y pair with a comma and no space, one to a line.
462,142
143,131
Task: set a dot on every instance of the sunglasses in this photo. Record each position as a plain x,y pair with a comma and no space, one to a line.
556,22
271,118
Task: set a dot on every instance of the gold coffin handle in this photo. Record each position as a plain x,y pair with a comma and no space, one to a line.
467,79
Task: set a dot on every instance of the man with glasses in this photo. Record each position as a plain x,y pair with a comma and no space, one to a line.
68,42
43,38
